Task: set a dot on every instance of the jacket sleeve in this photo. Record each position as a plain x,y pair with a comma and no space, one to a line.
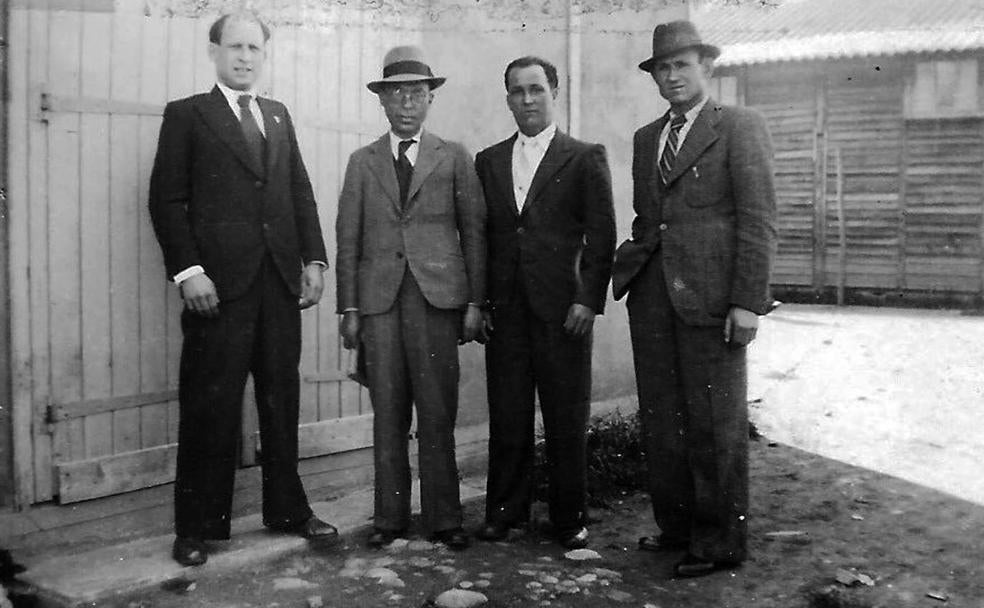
599,231
312,243
348,236
750,159
171,191
469,203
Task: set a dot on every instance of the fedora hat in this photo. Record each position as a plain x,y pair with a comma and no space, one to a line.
675,36
405,64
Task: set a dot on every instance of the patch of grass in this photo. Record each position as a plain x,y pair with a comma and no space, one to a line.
616,462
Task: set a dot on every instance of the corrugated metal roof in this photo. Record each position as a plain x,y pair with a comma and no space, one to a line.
759,31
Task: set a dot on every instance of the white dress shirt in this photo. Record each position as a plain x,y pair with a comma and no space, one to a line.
411,151
531,150
691,115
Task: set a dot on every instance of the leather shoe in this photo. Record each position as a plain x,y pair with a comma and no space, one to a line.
493,531
692,566
576,538
454,539
659,544
380,537
189,551
316,530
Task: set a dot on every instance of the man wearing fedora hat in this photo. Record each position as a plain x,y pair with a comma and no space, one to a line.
411,278
697,275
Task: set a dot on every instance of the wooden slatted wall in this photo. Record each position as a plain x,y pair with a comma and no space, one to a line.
95,324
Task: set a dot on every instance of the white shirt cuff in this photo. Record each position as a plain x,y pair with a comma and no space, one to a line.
187,273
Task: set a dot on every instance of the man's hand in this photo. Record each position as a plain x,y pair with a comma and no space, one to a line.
350,329
740,327
471,324
199,295
580,320
311,285
485,332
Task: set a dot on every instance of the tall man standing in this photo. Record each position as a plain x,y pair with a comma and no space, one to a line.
551,239
411,278
697,273
236,219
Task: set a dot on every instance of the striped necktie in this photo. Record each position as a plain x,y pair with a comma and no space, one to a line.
670,149
404,170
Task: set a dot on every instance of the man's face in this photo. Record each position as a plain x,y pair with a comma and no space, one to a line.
406,106
531,99
682,78
239,55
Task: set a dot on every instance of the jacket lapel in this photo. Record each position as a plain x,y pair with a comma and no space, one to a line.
274,130
700,137
502,171
430,153
220,118
558,154
652,149
381,165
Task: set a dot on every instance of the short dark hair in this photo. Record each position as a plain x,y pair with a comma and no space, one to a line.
215,32
529,61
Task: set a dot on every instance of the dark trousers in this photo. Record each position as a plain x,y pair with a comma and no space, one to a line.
526,354
692,404
258,333
412,358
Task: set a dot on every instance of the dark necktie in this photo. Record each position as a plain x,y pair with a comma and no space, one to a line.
251,131
404,170
670,149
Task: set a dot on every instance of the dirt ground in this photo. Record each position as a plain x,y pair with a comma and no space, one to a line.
870,467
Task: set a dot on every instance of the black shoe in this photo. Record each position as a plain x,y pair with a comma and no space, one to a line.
692,566
493,531
575,538
379,537
455,539
189,551
659,544
315,530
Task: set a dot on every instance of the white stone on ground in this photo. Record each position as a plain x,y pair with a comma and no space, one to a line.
460,598
582,554
281,584
315,601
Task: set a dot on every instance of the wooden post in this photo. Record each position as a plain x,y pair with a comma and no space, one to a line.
820,187
6,391
573,69
841,228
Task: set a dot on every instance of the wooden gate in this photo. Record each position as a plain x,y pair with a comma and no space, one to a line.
95,325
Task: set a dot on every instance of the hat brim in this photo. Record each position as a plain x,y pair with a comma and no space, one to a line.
706,49
376,85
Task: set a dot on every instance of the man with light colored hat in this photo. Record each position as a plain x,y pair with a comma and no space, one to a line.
697,276
411,278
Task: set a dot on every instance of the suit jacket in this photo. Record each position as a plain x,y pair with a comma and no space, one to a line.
211,205
714,219
440,235
559,248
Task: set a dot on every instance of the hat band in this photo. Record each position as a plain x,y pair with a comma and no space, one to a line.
408,67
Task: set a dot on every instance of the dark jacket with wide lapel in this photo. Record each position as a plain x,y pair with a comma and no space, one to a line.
211,205
559,248
714,220
439,234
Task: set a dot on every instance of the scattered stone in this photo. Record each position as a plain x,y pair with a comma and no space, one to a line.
466,584
547,579
857,517
398,544
460,598
786,533
850,579
587,578
355,563
582,554
545,558
287,583
386,577
651,606
444,569
382,562
396,597
606,573
486,575
418,561
420,545
568,587
350,572
483,583
534,585
315,601
526,572
938,596
192,587
619,596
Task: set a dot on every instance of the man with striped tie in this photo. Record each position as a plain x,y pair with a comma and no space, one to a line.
697,274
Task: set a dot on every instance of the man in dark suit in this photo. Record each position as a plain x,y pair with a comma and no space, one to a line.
697,274
551,234
236,218
411,279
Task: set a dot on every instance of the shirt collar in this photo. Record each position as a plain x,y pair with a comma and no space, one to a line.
396,139
541,139
232,95
692,113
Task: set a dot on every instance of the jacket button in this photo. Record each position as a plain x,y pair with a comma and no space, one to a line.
266,226
258,184
520,230
663,226
399,255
